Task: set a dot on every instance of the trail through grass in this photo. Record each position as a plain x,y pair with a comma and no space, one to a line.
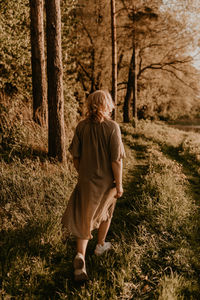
154,231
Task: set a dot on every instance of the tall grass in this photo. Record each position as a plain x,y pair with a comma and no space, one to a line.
20,136
33,196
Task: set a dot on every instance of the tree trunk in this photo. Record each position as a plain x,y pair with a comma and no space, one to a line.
129,90
39,86
114,56
55,84
135,85
92,87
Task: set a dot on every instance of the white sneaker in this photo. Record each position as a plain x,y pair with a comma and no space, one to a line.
99,250
79,261
80,273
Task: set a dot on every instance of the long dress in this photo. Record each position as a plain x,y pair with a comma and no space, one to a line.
96,145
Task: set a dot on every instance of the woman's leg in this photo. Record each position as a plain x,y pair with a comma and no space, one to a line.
81,246
103,230
80,273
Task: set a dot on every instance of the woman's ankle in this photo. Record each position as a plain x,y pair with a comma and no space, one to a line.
81,254
101,242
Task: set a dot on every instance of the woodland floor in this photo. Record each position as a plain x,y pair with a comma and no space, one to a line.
152,257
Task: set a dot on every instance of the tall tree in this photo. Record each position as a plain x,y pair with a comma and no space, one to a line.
39,86
138,27
114,55
56,133
151,38
156,39
131,90
94,47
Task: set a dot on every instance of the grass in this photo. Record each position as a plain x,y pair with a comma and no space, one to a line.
186,144
167,226
33,197
154,231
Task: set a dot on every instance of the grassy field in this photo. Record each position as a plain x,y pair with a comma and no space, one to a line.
155,227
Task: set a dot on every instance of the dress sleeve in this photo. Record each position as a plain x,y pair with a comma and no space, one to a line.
116,146
75,146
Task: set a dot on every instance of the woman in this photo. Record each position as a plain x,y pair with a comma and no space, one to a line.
97,152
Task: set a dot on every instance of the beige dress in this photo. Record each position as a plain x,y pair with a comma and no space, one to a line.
96,145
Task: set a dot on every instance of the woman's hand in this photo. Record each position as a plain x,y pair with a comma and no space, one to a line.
119,191
117,172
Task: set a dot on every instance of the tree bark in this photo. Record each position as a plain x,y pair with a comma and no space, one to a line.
129,91
56,133
135,85
39,85
114,56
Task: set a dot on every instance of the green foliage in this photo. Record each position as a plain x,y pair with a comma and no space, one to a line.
165,98
15,68
87,55
69,43
18,133
167,80
15,54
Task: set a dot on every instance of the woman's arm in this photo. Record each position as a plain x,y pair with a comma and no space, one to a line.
117,172
76,164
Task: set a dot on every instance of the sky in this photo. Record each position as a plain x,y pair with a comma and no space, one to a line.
188,10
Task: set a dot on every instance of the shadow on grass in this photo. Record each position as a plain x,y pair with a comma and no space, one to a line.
30,266
9,155
123,222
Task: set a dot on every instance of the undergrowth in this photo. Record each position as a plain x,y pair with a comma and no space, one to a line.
19,135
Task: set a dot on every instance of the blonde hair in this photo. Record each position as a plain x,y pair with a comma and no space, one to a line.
99,105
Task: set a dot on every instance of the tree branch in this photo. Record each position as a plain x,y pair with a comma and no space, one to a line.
149,46
163,68
181,80
80,77
84,70
86,30
122,83
162,65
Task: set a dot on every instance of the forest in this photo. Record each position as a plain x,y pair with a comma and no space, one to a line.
53,54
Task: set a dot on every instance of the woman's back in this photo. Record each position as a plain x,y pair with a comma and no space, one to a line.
97,145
